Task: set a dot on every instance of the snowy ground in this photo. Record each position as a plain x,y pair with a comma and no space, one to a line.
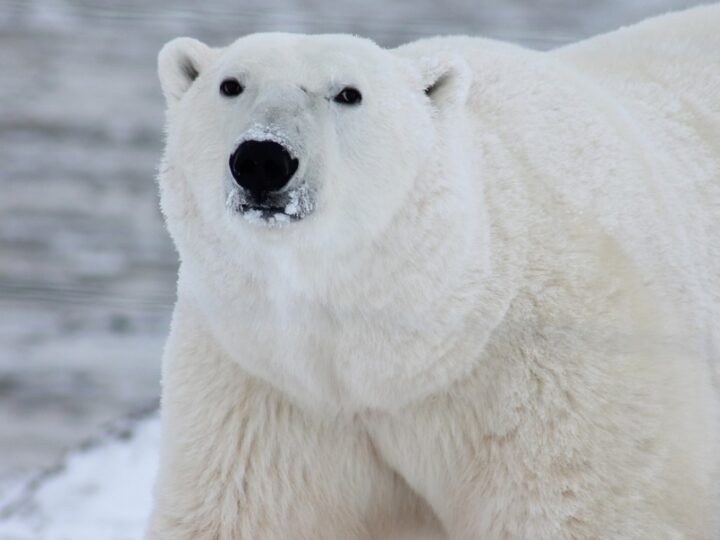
87,273
100,492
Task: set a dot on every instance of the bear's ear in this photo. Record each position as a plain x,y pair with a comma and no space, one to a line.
445,80
180,62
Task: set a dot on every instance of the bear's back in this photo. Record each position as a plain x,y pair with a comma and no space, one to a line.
666,73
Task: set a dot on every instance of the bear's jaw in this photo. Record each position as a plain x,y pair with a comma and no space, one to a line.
273,210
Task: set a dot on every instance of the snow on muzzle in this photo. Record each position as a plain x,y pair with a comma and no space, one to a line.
266,188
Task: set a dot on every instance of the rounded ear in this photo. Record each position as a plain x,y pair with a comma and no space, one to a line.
180,62
445,79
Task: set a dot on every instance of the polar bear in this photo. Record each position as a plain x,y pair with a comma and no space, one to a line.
458,289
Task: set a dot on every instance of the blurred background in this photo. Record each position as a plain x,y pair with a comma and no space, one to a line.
87,272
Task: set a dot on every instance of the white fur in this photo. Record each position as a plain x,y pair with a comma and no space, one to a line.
500,320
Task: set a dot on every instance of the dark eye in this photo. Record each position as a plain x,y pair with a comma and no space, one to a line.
231,88
348,96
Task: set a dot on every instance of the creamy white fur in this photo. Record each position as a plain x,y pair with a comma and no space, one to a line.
501,320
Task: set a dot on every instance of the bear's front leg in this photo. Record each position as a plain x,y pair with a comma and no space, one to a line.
553,446
240,462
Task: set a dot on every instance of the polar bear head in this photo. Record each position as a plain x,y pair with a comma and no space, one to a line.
300,176
314,136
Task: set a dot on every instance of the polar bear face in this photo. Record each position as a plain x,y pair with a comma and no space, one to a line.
296,169
326,134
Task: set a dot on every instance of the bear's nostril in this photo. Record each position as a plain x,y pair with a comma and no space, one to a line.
262,166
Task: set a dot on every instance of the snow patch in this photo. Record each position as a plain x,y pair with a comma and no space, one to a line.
104,491
300,203
259,132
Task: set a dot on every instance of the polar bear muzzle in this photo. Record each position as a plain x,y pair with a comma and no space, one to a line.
265,188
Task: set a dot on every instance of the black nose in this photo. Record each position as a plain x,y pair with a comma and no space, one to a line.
262,166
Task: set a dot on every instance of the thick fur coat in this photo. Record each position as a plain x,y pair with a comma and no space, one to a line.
500,317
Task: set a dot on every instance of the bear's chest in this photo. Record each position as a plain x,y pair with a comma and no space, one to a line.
349,359
289,343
